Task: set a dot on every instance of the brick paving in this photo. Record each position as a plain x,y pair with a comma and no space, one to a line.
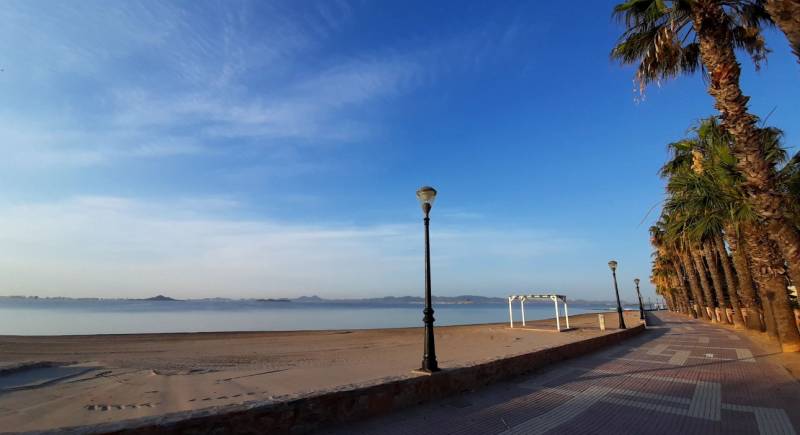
682,376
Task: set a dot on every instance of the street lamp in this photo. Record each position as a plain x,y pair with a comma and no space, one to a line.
613,266
639,295
426,195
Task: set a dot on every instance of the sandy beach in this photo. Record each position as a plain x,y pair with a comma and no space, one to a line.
58,381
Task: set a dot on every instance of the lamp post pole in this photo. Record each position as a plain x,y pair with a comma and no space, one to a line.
613,265
426,196
639,295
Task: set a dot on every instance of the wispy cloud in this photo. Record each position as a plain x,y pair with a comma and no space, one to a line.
28,144
167,81
124,246
309,108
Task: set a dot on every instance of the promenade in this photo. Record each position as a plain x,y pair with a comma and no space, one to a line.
682,376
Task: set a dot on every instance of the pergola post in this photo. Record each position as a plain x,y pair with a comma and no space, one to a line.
558,321
510,312
566,313
522,307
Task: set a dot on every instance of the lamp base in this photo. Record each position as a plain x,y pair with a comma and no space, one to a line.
426,372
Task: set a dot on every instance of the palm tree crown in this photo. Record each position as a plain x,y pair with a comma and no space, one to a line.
660,36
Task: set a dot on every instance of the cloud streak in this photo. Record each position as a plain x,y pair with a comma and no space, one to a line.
166,81
112,246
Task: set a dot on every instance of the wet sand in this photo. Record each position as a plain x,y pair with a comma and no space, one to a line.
102,378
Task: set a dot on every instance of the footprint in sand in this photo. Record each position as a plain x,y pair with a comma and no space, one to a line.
117,407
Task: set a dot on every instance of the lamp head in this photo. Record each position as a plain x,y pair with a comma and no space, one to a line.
636,281
426,195
612,265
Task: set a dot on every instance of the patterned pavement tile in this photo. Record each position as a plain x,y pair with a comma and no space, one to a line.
682,376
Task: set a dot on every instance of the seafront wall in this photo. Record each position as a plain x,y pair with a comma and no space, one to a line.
304,413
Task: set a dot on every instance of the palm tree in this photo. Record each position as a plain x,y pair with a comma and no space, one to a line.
715,271
749,298
730,281
705,283
786,14
679,251
667,38
706,203
694,283
684,290
768,267
667,275
700,198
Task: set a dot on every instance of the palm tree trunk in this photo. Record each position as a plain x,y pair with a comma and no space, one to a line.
704,282
684,294
717,53
730,279
771,325
768,269
716,279
786,14
694,284
746,285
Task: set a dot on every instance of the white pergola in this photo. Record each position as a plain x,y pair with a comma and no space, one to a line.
522,298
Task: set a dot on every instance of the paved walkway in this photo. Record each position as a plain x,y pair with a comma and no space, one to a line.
682,376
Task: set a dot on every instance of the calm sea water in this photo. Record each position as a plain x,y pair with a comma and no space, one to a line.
70,317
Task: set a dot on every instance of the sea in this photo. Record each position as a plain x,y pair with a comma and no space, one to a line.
27,316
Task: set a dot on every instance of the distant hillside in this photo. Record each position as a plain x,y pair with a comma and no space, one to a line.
464,299
160,298
395,300
388,300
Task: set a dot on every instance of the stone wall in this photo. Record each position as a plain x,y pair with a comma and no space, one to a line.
301,414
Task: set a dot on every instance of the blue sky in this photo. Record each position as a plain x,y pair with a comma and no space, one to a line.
270,149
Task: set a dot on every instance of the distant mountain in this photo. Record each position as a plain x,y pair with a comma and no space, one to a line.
388,300
314,298
418,300
160,298
399,300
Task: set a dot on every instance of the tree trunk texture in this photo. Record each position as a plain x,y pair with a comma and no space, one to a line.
746,285
786,14
716,279
768,268
685,295
694,284
730,279
717,53
705,284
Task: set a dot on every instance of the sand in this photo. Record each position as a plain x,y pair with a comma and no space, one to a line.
51,382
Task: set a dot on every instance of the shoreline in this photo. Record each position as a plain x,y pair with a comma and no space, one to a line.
150,375
29,322
517,324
